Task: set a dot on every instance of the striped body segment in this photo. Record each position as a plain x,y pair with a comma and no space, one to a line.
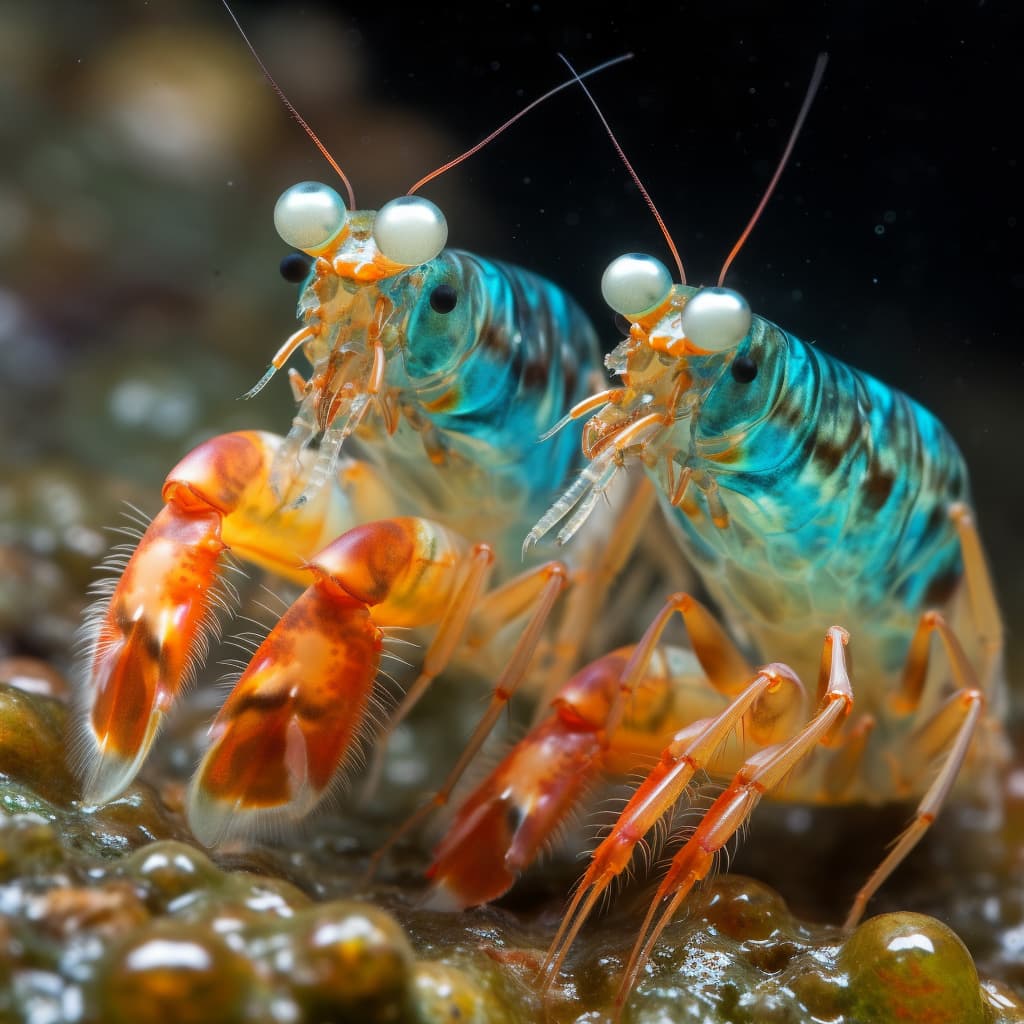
835,491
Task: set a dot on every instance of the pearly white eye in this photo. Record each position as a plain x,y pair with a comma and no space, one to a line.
410,230
716,319
634,284
309,215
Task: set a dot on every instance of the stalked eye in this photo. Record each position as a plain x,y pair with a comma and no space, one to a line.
309,215
410,230
295,267
634,284
716,319
744,369
444,298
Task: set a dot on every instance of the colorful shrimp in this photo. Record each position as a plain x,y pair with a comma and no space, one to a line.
466,361
805,494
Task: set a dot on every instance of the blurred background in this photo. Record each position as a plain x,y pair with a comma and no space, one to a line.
143,153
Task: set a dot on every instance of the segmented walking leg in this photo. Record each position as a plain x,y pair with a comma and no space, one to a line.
945,731
542,587
762,772
520,805
770,707
512,814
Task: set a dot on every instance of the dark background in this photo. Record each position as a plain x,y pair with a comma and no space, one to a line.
143,153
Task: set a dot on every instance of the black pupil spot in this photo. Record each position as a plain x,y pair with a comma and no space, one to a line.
443,299
622,323
295,267
744,369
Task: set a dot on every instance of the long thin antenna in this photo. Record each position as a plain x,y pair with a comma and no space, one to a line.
632,173
812,89
291,109
512,120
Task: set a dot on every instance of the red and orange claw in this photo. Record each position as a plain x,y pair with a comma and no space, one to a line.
520,806
145,641
295,715
292,720
145,644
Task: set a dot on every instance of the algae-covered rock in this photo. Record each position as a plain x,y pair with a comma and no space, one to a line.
908,967
118,911
350,961
174,973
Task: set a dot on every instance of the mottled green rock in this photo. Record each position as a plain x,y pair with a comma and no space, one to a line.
174,973
908,967
32,743
442,994
351,962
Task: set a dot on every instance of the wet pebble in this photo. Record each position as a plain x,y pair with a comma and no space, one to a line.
32,747
442,994
174,973
350,961
171,874
909,967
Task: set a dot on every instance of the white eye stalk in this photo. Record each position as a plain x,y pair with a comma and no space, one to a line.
309,216
716,319
410,230
634,284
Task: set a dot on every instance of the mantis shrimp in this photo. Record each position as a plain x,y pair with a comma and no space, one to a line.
463,361
813,501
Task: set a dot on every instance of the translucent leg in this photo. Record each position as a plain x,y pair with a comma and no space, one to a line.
762,772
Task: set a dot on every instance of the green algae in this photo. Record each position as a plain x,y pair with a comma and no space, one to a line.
116,912
908,967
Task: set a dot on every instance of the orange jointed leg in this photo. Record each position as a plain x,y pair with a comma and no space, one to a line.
960,714
519,806
153,629
987,622
290,723
542,587
518,809
768,707
589,586
946,731
725,667
449,633
762,772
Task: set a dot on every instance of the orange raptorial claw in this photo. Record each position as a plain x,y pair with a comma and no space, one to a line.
292,719
146,639
510,816
145,643
513,815
294,716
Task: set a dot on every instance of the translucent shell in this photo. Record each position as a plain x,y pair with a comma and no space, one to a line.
634,284
410,230
716,319
309,215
